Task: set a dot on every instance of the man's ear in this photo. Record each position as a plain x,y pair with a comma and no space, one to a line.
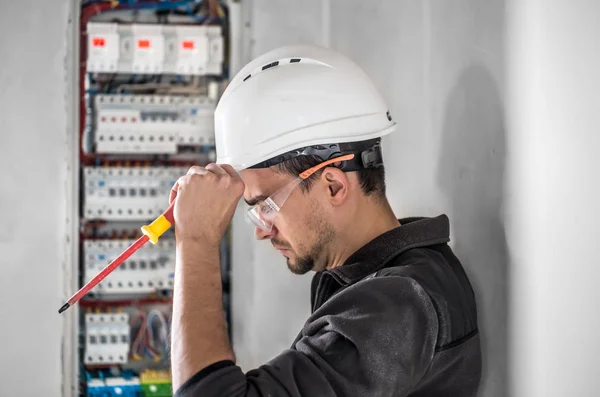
337,184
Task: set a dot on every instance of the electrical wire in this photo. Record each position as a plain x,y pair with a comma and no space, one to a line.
141,5
196,18
163,5
138,338
162,333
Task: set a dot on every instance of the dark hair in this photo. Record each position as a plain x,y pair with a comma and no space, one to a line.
372,180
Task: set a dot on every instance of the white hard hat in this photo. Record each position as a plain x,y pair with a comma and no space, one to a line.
293,97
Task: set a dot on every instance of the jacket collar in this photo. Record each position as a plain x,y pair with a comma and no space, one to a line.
376,254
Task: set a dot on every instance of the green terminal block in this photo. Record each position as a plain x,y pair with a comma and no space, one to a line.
156,384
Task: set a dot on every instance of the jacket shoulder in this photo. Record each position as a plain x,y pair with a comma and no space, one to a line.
441,275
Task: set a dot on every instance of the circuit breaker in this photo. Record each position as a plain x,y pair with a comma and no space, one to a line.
107,338
103,47
155,48
193,50
150,269
148,49
128,193
152,123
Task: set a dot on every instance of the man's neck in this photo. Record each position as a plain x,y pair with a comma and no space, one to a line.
367,223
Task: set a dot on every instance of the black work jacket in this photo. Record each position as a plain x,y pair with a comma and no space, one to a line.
397,319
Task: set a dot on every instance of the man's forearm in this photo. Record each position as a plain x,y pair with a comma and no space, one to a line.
198,336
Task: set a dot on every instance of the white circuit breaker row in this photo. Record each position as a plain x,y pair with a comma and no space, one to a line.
152,123
107,338
128,193
154,49
151,268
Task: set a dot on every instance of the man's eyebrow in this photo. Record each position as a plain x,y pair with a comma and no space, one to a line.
255,200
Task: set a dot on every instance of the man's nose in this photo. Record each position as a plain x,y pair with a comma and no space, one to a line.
263,235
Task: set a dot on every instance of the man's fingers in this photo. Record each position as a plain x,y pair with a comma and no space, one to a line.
181,181
196,169
229,170
173,192
236,179
216,169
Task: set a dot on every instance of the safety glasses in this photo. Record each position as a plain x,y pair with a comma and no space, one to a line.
263,214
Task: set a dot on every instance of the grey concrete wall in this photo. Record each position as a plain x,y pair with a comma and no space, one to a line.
33,195
440,65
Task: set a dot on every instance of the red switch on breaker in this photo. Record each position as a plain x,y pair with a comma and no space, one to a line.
187,44
98,42
144,43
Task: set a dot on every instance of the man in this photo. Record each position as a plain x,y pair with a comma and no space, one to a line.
393,313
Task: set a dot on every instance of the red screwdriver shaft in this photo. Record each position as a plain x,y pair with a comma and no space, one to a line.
104,272
154,230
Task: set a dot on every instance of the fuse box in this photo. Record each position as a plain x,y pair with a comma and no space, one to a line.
150,269
128,193
155,48
152,123
107,338
150,78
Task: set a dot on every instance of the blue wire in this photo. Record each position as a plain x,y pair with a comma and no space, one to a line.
133,4
162,6
165,5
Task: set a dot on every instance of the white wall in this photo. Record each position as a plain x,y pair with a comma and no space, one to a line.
554,119
440,65
269,303
33,194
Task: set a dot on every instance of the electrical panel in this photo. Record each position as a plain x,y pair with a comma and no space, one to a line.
152,123
107,338
150,269
128,193
154,48
151,75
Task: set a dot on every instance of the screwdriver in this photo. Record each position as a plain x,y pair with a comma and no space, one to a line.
151,232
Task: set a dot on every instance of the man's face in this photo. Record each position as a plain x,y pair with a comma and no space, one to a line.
301,230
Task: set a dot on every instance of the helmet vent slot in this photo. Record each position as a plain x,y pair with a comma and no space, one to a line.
270,65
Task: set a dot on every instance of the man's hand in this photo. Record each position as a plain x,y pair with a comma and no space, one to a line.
205,200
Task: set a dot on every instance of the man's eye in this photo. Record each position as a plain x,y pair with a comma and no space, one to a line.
269,208
266,209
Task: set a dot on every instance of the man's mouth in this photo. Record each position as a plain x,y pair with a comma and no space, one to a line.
281,249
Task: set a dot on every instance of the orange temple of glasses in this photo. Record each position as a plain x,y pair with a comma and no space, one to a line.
317,167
